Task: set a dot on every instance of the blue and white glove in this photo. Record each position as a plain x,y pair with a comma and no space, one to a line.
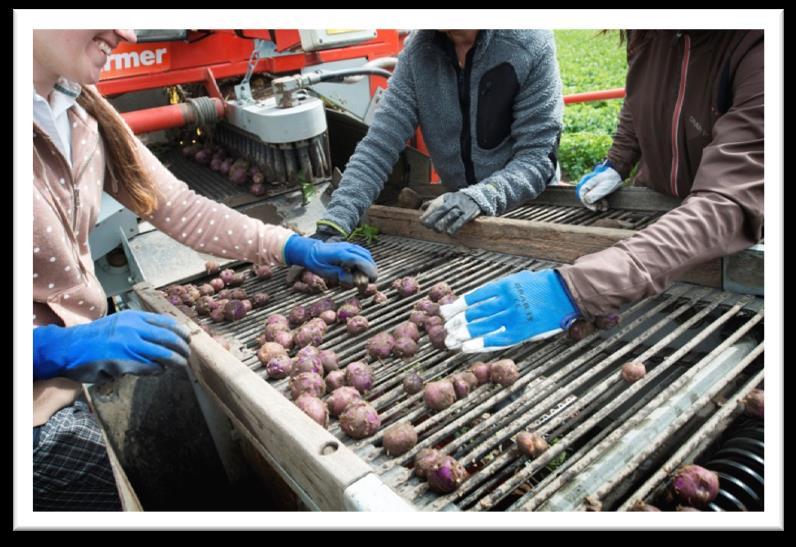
340,261
594,187
449,212
521,307
128,342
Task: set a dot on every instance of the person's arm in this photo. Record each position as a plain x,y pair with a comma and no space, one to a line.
722,215
376,154
210,227
203,224
538,111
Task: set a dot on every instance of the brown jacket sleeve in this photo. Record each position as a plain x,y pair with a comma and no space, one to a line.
625,151
722,215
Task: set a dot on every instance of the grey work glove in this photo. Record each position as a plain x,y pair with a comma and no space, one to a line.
449,212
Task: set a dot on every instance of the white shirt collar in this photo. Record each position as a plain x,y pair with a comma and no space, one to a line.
51,116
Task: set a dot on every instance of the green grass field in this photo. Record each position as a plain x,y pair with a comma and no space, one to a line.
588,61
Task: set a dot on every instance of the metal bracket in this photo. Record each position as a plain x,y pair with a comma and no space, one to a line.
743,272
136,274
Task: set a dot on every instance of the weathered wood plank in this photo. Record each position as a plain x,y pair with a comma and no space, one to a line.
541,240
318,462
637,199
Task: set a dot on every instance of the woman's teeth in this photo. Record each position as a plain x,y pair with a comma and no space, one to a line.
104,46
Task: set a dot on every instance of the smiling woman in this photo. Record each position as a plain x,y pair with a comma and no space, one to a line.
77,55
82,147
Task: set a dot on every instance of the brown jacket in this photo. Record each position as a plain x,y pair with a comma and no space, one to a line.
66,203
693,121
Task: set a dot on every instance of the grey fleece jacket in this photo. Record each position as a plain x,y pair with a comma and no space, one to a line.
492,127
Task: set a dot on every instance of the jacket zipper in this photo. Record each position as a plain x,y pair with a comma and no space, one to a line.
467,141
76,203
678,110
463,85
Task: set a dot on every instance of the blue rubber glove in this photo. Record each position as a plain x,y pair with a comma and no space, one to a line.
331,260
521,307
327,232
128,342
449,212
594,187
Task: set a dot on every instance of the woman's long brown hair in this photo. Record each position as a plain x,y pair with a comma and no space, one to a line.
120,153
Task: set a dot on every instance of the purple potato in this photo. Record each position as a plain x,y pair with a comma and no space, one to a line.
329,317
313,281
504,372
413,383
439,290
406,286
335,379
238,294
694,485
307,363
359,375
407,330
297,316
360,420
531,444
280,366
380,346
439,395
341,398
436,335
604,322
446,475
324,304
329,360
234,310
368,290
399,439
753,403
262,271
418,318
308,336
633,371
227,276
447,299
357,324
404,347
346,312
314,408
206,289
481,372
269,350
463,384
425,460
427,305
581,329
307,382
